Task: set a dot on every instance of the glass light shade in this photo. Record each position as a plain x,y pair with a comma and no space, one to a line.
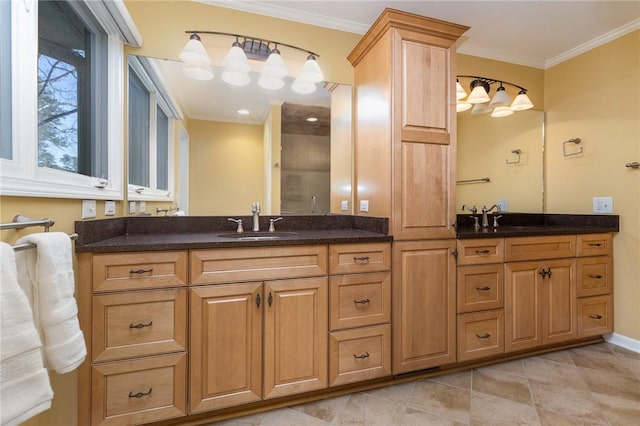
521,102
481,109
500,99
478,95
198,72
273,72
303,87
463,106
311,71
236,59
501,111
194,53
460,92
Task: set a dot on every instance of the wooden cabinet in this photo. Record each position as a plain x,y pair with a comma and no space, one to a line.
260,339
133,312
480,307
404,73
359,312
424,305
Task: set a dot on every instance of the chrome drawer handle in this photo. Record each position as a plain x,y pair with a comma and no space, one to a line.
140,394
597,317
361,302
485,288
140,325
140,271
483,252
363,259
363,356
484,336
595,276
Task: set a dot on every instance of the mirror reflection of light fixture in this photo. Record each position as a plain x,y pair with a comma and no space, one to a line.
500,105
236,62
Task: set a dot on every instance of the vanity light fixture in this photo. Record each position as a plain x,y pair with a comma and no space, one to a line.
500,105
197,63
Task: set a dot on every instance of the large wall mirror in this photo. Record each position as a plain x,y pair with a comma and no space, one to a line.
290,152
501,159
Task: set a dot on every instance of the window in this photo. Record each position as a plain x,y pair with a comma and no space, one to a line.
151,144
61,95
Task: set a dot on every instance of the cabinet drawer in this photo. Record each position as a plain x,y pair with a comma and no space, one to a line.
480,287
480,334
257,263
359,299
132,271
534,248
138,323
595,244
354,258
595,276
595,315
359,354
479,251
138,391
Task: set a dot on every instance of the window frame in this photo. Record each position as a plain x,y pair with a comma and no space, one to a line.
151,78
21,175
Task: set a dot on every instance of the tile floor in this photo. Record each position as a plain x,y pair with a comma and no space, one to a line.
593,385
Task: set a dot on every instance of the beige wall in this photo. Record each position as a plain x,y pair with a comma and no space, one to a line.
219,150
596,97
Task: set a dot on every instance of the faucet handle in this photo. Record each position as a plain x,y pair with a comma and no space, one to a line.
473,209
240,229
476,224
272,228
495,220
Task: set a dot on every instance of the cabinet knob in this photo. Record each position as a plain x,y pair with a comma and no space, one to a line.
258,300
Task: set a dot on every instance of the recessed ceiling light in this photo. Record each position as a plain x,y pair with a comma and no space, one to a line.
312,119
243,111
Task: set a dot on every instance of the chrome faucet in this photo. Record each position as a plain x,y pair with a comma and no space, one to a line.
255,210
485,218
473,211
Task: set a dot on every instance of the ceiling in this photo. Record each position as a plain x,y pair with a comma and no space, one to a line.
533,33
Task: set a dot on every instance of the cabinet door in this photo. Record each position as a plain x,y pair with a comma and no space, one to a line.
226,346
523,323
424,305
295,336
559,292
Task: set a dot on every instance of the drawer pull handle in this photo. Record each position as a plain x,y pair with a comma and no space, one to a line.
141,271
483,252
595,276
361,302
270,299
258,300
597,317
363,356
361,259
140,394
595,244
485,288
545,273
140,325
483,336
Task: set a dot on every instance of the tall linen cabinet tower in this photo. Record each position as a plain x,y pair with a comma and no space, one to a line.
404,168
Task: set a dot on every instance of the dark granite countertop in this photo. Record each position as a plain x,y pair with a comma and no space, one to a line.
532,224
146,233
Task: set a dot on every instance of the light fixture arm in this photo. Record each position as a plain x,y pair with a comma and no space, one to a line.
253,40
490,81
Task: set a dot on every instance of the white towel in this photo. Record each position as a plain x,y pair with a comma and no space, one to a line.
25,390
46,273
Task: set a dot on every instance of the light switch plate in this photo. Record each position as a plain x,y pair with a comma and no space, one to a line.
88,209
344,205
132,207
364,205
603,205
143,206
109,208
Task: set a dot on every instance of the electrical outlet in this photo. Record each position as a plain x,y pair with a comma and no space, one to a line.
143,207
603,204
88,209
132,207
109,208
344,205
364,205
503,204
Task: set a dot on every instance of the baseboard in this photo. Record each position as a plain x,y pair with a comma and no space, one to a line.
623,341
